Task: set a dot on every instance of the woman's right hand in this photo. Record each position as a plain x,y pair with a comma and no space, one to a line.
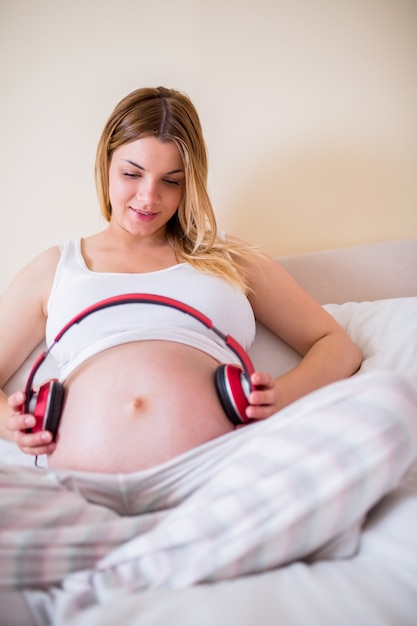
17,423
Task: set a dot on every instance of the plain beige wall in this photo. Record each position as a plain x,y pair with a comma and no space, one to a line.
309,110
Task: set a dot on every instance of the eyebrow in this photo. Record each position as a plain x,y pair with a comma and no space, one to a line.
143,169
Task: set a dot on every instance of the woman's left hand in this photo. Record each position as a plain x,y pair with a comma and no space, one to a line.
264,400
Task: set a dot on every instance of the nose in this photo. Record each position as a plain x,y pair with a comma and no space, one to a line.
148,192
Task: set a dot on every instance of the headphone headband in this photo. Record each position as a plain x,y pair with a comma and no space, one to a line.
147,298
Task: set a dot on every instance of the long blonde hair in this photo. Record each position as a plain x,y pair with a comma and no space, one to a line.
170,116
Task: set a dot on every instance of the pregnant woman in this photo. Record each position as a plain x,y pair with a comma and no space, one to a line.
138,379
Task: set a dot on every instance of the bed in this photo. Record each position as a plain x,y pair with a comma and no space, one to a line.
372,291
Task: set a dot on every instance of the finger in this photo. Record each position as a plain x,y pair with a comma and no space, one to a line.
16,400
262,379
265,396
37,443
20,422
32,440
259,412
39,450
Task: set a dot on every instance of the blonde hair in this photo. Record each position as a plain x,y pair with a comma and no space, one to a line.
170,116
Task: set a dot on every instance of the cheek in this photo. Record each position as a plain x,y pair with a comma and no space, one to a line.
176,196
118,190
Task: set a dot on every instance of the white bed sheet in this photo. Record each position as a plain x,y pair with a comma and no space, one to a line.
378,587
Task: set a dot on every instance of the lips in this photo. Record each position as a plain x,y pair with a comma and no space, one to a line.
143,215
141,212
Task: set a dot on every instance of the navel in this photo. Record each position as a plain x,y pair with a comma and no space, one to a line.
137,405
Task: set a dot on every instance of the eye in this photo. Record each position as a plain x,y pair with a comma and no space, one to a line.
175,183
132,175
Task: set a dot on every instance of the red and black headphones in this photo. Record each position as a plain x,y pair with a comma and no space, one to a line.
232,382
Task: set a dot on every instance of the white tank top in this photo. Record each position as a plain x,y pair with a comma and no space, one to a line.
76,287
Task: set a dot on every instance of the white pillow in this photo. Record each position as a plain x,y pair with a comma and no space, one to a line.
384,330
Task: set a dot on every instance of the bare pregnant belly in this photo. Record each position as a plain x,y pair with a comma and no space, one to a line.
137,405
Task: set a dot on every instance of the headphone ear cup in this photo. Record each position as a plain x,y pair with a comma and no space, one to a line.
46,406
233,390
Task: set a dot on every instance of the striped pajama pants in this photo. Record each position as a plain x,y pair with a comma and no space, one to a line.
294,486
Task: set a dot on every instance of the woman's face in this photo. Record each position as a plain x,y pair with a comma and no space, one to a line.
146,185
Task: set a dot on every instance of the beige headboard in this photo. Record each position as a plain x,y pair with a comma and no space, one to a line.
368,272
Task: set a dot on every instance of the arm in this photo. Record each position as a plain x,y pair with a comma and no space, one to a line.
22,327
286,309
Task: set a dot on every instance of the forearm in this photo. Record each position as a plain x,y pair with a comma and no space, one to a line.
328,360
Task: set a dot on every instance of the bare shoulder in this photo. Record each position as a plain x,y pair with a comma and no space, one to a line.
23,311
45,261
32,284
36,276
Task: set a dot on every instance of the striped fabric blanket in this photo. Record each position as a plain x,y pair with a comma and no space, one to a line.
295,486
